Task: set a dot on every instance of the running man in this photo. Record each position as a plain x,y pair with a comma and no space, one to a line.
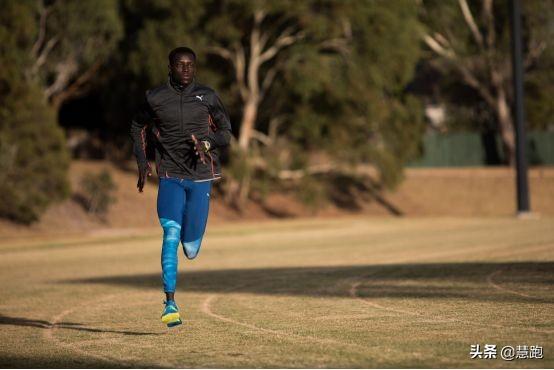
189,124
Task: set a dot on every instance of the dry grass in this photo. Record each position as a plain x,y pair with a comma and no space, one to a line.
350,292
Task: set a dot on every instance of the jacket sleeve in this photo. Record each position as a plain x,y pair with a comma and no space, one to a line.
221,133
142,118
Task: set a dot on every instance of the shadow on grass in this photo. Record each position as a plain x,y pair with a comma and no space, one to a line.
429,280
63,361
21,321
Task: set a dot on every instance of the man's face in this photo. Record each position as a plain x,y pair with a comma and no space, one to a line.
183,68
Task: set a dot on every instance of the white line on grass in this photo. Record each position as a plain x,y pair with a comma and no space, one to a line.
354,294
497,286
56,320
207,309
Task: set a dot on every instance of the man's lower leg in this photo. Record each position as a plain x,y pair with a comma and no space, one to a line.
169,296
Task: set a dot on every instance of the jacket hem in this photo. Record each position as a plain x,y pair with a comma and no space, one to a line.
168,174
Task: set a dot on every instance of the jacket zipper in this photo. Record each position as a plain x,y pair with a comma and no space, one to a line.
181,112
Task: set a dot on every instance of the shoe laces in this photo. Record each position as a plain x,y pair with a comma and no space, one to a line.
170,303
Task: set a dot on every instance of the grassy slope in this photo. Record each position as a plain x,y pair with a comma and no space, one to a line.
351,292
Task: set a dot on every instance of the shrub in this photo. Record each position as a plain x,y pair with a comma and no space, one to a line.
34,160
98,192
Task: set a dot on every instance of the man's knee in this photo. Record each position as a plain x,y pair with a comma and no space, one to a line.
192,248
172,231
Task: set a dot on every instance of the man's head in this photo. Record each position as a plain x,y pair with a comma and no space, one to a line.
182,65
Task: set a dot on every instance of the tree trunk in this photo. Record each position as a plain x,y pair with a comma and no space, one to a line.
506,127
248,122
244,191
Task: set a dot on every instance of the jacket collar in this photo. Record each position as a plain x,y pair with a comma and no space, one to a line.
178,88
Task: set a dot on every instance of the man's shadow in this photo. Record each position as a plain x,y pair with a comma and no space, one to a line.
43,324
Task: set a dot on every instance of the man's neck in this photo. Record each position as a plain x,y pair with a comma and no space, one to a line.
177,84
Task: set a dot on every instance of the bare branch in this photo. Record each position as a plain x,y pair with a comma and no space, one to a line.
240,70
339,44
42,29
442,40
488,15
78,86
44,54
438,48
236,58
285,39
269,78
474,82
64,72
256,39
468,17
274,124
262,138
261,38
221,51
256,48
468,76
259,16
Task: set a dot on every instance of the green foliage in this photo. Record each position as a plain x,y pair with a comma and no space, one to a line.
353,106
539,78
165,25
239,167
86,32
33,158
98,192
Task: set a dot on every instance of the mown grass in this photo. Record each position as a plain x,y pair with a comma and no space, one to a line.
356,292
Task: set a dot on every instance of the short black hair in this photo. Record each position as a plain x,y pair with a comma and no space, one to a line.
180,50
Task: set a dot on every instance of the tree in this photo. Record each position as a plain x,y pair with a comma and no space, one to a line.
73,41
254,55
253,42
472,39
360,112
340,85
33,157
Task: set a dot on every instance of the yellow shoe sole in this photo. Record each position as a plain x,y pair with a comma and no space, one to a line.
171,317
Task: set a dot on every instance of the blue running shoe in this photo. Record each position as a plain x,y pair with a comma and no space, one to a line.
170,314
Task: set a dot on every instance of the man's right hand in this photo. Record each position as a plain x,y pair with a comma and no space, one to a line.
201,147
145,171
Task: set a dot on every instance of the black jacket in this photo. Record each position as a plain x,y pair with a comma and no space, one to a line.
172,114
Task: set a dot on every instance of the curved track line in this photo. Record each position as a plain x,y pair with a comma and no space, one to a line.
353,294
57,319
354,290
341,317
207,309
497,286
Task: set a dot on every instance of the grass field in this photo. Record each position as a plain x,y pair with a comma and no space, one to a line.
349,292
